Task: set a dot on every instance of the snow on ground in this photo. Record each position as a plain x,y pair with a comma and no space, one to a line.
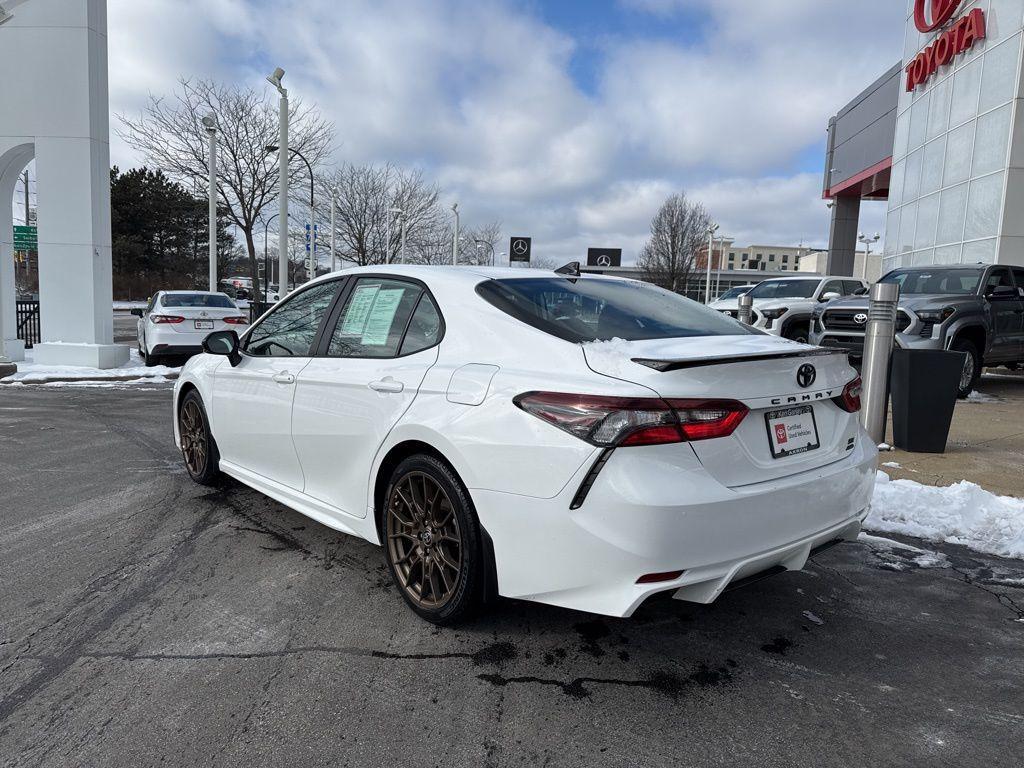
895,554
981,397
964,513
31,373
891,464
126,306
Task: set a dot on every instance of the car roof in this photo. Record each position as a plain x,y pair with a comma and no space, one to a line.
454,275
194,293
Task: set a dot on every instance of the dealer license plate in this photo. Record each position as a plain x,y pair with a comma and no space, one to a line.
792,431
204,325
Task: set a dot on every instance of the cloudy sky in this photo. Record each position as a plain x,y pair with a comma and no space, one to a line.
568,120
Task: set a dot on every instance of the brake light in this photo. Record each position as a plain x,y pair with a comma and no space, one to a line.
165,319
849,401
618,421
236,320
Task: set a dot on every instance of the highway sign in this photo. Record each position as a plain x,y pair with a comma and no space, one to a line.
26,238
519,249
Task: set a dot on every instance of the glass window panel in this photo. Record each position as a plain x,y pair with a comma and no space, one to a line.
932,165
938,113
952,210
980,250
912,182
948,254
1004,18
892,232
425,327
919,121
374,319
908,218
966,84
926,256
983,206
896,183
1000,77
888,265
959,145
990,143
927,217
289,329
902,137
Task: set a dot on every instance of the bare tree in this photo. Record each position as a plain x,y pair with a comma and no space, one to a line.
678,231
367,197
170,135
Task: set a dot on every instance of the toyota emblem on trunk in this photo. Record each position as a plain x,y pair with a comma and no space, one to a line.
806,375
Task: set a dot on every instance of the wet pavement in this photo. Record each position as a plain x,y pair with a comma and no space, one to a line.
150,621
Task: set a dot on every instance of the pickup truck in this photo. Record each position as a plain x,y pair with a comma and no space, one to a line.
972,308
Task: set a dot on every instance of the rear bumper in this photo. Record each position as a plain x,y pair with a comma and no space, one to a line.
175,349
656,511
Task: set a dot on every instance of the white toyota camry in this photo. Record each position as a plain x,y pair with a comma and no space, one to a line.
579,441
176,322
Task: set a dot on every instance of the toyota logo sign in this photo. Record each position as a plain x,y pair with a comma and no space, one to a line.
806,375
860,318
940,11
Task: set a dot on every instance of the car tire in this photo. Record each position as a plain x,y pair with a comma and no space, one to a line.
972,366
198,448
431,539
800,331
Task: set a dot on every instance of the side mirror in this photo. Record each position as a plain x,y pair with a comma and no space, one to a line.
829,296
223,343
1001,292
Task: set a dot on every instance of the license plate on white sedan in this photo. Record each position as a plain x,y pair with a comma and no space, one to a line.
204,325
792,431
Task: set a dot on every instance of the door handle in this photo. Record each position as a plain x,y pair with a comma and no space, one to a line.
387,384
284,378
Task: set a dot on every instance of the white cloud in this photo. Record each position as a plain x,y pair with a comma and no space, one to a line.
481,95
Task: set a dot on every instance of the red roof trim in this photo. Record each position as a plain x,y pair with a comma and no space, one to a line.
859,178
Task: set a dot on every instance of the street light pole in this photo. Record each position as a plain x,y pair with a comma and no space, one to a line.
334,203
282,206
868,241
405,221
455,240
711,247
210,122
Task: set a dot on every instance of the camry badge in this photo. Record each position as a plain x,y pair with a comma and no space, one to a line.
805,375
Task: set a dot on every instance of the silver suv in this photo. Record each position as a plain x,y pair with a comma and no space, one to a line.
972,308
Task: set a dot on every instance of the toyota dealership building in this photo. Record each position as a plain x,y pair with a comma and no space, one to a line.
940,136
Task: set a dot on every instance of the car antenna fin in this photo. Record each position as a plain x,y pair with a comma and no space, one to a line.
572,269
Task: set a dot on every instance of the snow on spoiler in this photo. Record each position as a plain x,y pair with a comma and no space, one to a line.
700,362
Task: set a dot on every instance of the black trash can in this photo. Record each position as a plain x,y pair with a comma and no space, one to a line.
924,384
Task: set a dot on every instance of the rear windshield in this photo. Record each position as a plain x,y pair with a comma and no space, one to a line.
197,300
585,310
947,281
784,289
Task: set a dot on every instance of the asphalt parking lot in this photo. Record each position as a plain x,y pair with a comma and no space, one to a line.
149,621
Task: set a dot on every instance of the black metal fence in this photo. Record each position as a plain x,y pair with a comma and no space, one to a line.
257,308
27,322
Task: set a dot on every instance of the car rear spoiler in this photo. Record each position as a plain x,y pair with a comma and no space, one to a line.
665,366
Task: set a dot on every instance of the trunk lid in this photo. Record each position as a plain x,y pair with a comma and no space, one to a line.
760,371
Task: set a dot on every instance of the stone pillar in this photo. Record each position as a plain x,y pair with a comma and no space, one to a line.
842,238
64,110
13,159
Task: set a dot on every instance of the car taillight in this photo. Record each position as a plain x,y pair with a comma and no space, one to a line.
619,421
849,401
161,319
236,320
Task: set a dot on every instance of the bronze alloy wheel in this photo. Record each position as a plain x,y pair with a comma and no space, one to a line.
193,438
424,540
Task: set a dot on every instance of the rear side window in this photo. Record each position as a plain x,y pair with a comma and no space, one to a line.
289,329
374,318
424,328
592,309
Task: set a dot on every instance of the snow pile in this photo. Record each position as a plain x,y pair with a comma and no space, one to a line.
611,358
981,397
893,553
31,373
964,513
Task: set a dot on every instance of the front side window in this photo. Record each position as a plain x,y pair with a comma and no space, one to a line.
784,289
998,278
290,328
1018,275
374,319
593,309
957,282
833,286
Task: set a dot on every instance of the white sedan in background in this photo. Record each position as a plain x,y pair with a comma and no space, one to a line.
581,441
176,322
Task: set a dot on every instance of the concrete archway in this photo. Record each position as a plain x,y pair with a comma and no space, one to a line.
62,120
13,160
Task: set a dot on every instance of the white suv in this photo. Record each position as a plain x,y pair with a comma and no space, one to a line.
783,305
